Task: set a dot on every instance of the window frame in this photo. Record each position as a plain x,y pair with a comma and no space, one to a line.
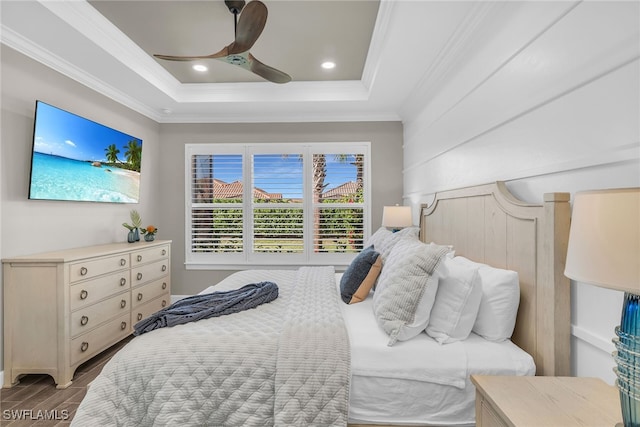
247,258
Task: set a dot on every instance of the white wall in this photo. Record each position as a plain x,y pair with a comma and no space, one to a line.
545,97
32,226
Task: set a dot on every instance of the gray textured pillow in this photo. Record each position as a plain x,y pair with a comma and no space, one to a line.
407,289
384,240
359,277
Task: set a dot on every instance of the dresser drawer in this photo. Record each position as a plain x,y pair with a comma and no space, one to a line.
144,256
89,344
91,316
146,273
149,291
89,292
91,268
143,311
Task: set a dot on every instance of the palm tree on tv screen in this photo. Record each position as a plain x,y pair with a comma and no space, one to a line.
112,153
133,154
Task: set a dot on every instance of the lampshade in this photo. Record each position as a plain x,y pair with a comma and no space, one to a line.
396,216
604,240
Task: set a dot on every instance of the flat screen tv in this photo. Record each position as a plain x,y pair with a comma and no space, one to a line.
77,159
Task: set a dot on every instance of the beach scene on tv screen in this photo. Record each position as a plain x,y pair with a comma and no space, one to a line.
77,159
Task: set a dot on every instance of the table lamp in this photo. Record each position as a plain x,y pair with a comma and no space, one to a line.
604,250
396,217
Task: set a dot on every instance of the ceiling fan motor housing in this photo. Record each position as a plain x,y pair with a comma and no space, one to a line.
236,59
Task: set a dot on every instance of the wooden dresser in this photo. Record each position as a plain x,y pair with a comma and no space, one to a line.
62,308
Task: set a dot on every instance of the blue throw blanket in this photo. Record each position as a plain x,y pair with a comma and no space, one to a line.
204,306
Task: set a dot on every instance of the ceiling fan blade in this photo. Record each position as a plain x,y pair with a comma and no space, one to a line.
250,25
267,72
221,54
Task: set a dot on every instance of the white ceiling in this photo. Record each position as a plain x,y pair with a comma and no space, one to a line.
389,53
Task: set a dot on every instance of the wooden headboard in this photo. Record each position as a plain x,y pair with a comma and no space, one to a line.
489,225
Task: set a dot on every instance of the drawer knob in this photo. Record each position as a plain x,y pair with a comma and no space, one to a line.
123,303
164,285
139,258
164,303
123,262
83,271
139,296
123,325
84,347
84,294
139,316
164,267
139,276
84,320
123,281
164,252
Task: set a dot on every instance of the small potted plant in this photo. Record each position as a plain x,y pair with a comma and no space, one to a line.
149,233
136,221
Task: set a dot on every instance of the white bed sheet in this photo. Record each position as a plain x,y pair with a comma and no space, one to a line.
419,381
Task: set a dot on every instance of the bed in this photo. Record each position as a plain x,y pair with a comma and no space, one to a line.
307,358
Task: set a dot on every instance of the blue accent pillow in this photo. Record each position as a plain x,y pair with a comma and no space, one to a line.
359,277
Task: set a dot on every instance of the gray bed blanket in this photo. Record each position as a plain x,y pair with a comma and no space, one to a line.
285,363
205,306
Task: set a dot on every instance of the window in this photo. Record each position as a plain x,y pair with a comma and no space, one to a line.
275,204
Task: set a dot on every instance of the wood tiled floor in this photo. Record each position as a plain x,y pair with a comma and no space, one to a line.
20,405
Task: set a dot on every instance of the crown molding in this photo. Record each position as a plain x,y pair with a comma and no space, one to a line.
19,43
378,41
85,19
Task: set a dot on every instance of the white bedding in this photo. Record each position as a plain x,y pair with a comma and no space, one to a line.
413,382
420,381
283,363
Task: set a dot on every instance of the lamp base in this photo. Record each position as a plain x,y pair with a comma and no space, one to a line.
627,357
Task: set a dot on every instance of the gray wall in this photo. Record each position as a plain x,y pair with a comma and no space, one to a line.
32,226
386,166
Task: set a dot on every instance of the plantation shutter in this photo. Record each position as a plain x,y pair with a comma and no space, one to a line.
276,204
338,203
217,203
278,214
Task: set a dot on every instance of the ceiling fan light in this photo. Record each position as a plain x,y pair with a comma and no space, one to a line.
201,68
328,65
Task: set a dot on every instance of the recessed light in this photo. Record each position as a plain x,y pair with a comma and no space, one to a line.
200,67
328,65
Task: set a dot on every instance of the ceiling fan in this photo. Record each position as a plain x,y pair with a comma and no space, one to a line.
247,30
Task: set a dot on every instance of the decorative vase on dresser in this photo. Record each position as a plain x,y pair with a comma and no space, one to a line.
62,308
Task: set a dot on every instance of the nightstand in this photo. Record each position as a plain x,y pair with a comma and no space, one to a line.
513,401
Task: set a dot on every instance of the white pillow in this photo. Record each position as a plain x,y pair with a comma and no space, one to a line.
407,288
500,300
457,301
